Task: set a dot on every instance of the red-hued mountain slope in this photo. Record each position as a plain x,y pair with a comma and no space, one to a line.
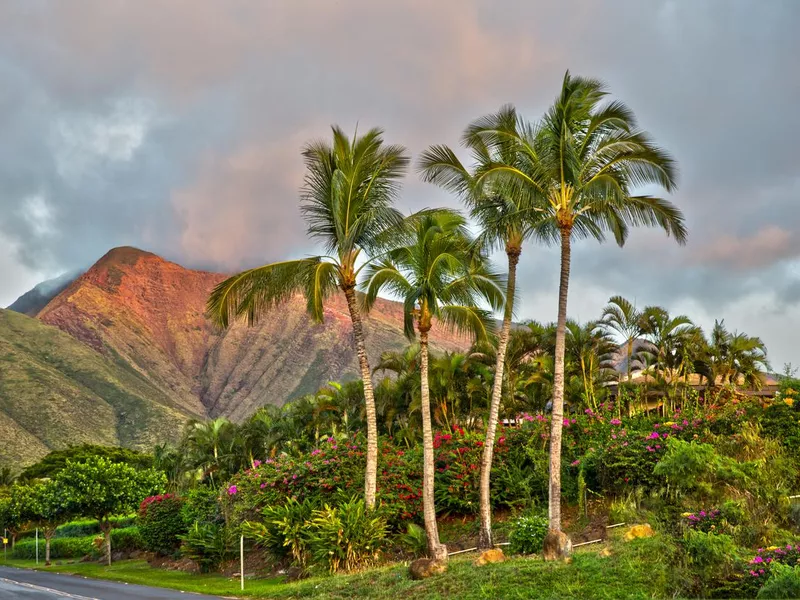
136,307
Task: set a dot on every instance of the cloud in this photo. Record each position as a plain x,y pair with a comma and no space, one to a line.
177,127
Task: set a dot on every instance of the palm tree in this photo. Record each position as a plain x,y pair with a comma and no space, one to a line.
507,219
584,158
209,445
440,277
668,339
733,358
347,202
589,349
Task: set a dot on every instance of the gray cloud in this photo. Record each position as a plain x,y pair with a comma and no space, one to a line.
177,126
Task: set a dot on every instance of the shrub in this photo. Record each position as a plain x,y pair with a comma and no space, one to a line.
704,520
527,534
346,538
283,532
343,538
59,548
201,505
127,539
209,545
161,522
415,540
783,582
84,527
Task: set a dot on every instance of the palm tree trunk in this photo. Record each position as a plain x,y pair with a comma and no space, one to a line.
556,424
436,550
371,471
485,536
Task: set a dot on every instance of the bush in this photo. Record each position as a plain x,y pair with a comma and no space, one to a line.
415,540
127,539
59,548
343,538
209,545
527,534
283,532
783,582
84,527
201,505
346,538
161,522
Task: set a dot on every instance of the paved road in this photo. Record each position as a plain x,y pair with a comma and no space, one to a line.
36,585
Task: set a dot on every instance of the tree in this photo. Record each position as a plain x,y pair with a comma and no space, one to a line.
589,349
507,218
101,489
56,460
732,358
441,278
347,202
210,445
41,504
585,158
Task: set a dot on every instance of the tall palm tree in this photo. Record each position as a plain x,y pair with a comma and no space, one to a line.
347,202
506,217
440,277
585,158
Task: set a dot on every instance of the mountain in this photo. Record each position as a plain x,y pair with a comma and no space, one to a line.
31,302
147,313
56,391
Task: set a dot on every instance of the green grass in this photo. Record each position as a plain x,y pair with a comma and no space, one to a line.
638,569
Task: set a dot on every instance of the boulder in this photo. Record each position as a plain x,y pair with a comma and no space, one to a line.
639,531
422,568
495,555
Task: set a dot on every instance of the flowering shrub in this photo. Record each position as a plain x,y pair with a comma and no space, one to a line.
161,522
527,534
706,521
765,558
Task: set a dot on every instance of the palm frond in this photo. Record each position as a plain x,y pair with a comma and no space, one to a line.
254,291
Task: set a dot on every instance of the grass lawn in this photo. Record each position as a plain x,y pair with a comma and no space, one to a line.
637,569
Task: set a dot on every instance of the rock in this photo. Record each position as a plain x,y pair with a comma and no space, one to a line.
495,555
639,531
556,546
423,568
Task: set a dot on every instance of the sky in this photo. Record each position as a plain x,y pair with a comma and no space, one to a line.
176,126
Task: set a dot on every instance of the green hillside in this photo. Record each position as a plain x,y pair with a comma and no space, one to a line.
56,392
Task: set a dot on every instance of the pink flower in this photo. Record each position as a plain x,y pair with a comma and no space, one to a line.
615,422
263,485
575,463
653,436
232,491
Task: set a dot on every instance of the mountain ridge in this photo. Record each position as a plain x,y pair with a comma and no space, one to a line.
150,312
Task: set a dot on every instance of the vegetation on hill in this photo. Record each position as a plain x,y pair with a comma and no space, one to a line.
56,392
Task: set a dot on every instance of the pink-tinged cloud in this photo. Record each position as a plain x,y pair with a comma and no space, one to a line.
765,247
243,206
